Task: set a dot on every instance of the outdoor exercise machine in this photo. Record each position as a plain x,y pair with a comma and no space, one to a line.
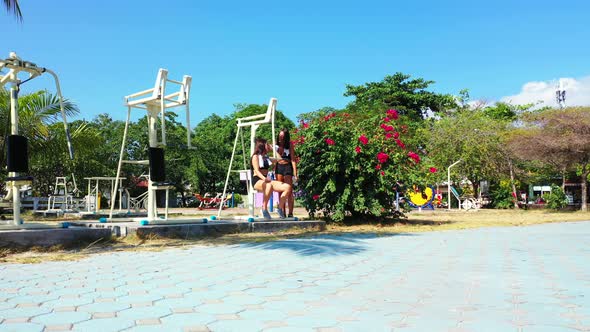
93,196
63,200
253,122
17,145
155,101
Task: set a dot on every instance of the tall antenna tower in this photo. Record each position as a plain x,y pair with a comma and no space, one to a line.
560,94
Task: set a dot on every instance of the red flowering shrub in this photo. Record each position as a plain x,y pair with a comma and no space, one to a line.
363,139
339,178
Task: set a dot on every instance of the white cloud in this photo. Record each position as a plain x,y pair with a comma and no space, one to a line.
577,92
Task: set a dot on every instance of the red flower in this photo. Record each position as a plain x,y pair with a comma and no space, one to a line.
386,119
414,156
393,114
378,166
363,139
396,135
433,169
400,144
330,141
388,135
382,157
305,125
357,149
316,197
382,173
387,127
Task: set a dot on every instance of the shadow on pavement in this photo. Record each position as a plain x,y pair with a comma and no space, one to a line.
332,245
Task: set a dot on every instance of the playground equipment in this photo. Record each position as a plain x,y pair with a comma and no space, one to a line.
421,199
155,101
17,145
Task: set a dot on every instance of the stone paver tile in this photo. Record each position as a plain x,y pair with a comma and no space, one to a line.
104,325
148,321
236,325
311,321
197,328
181,321
103,307
219,308
55,328
21,327
144,312
23,312
61,318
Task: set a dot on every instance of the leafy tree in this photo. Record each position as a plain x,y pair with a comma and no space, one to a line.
399,91
560,138
474,138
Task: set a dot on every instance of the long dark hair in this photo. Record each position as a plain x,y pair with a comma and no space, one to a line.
286,139
260,146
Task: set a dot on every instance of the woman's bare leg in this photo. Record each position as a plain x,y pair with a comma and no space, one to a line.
266,189
285,190
288,179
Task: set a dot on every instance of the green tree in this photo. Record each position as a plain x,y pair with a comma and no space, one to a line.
473,137
409,96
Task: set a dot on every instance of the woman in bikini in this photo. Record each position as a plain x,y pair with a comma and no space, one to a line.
260,165
286,168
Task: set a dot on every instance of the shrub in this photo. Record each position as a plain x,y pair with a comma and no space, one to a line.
501,195
556,199
351,165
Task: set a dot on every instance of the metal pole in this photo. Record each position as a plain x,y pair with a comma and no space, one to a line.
233,153
14,131
120,158
449,182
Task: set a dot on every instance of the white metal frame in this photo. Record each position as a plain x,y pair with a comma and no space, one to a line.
253,122
155,101
94,190
15,66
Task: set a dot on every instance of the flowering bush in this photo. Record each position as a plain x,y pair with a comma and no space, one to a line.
351,165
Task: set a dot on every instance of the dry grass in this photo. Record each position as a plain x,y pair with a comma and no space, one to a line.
424,221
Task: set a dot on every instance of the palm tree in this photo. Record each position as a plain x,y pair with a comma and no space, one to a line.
13,8
37,111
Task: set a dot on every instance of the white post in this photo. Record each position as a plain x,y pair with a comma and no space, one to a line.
231,160
152,214
14,131
449,182
120,158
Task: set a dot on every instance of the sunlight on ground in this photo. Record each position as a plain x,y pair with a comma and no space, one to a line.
423,221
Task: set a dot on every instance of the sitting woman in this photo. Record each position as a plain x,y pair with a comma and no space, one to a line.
286,167
260,165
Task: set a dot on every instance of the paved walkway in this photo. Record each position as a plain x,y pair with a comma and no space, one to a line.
499,279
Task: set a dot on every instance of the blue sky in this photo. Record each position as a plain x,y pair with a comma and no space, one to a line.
302,52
